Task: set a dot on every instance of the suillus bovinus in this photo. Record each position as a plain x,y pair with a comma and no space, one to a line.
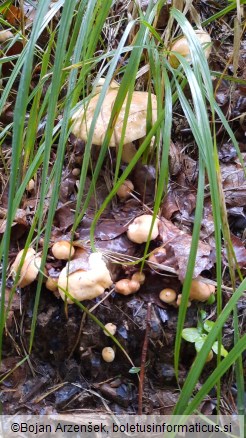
136,121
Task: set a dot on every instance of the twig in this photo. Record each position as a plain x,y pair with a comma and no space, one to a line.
143,361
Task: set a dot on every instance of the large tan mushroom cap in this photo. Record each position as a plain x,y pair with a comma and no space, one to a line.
86,285
181,46
30,267
136,124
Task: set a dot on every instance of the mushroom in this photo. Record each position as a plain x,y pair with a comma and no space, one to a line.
126,286
124,191
168,296
139,277
52,284
63,250
30,185
85,284
111,329
138,230
108,354
30,268
5,35
179,300
201,291
136,122
181,46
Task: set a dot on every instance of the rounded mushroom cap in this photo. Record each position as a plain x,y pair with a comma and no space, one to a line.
181,46
85,285
136,123
124,191
126,286
111,328
138,230
179,301
139,277
168,295
201,291
52,284
108,354
30,267
63,250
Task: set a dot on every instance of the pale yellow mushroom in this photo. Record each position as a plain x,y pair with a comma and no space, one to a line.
85,284
5,35
138,230
136,121
111,329
63,250
30,267
181,46
108,354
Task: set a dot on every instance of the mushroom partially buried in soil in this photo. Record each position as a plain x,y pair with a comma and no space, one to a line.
86,283
30,268
136,122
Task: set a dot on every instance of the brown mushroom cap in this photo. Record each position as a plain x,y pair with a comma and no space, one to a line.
126,286
181,46
63,250
138,230
136,123
139,277
124,191
168,295
201,291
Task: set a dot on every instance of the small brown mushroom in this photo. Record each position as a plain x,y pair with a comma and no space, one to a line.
139,277
124,191
201,291
111,328
126,286
30,267
179,301
52,284
168,296
108,354
181,46
138,230
63,250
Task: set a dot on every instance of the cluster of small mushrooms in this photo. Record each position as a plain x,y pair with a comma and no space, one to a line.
93,277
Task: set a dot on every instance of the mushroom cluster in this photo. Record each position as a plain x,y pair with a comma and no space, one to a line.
128,286
199,291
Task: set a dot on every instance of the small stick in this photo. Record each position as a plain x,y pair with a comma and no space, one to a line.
143,361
